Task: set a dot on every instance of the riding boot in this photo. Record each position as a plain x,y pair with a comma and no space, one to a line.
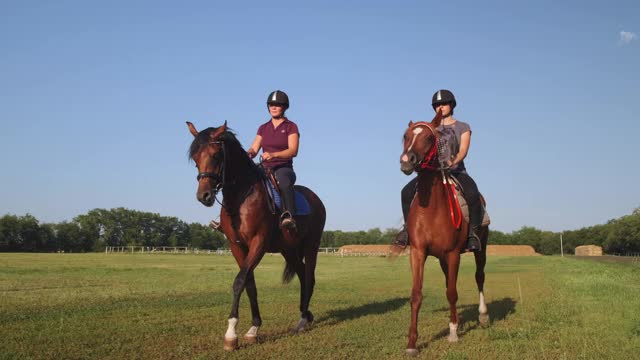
288,207
473,240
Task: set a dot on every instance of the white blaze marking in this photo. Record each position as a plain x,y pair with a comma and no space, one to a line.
231,330
416,131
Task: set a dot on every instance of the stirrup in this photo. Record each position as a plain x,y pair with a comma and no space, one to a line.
214,225
402,238
287,221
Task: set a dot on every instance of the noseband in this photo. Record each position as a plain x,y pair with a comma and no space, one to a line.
218,178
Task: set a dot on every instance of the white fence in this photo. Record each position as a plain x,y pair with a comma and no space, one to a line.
188,250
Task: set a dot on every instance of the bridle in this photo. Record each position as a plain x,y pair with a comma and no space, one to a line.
426,162
218,178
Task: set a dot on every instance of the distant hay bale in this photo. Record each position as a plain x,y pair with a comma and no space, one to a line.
383,250
589,250
510,250
363,250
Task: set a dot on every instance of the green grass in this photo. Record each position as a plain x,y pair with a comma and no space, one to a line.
78,306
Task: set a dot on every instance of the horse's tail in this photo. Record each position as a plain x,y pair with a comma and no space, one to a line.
289,271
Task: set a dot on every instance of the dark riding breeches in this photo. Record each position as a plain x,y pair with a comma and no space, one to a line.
471,194
286,178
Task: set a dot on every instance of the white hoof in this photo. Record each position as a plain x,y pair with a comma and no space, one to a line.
230,344
412,352
251,339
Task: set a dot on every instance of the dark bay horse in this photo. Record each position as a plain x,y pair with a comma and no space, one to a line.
431,227
249,225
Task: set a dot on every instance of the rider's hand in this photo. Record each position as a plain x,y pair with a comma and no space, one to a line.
251,153
267,156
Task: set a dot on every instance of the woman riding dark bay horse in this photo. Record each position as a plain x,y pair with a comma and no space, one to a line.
250,225
431,229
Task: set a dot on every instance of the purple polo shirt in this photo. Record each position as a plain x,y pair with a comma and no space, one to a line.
277,139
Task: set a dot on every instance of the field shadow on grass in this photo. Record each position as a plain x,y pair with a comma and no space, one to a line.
354,312
468,317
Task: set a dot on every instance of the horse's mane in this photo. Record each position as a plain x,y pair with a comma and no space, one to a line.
228,137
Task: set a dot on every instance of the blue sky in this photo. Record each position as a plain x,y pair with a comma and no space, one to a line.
94,97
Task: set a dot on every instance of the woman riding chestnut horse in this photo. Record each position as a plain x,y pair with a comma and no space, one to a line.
430,227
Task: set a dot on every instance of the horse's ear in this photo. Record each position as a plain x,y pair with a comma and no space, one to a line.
437,120
224,127
192,129
410,123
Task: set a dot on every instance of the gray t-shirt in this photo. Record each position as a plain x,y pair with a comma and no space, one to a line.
449,143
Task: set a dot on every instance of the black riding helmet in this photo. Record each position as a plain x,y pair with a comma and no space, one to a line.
443,97
278,97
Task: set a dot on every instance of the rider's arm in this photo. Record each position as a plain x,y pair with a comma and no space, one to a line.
255,147
292,151
465,141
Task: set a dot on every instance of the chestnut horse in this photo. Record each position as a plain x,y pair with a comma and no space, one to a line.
250,226
431,227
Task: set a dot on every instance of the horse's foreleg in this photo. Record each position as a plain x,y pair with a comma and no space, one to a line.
418,258
239,284
252,335
453,262
481,260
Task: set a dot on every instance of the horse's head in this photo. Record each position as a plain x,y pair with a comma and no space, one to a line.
208,152
420,145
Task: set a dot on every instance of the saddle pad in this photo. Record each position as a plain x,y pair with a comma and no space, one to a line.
302,205
465,209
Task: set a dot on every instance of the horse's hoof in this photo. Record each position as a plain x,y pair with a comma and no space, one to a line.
452,338
412,352
250,339
483,319
302,326
230,344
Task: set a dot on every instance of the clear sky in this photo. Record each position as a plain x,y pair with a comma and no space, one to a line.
94,97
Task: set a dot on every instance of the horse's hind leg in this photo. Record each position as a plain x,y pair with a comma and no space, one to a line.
453,263
481,260
307,283
252,335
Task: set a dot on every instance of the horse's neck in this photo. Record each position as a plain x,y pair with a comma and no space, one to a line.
241,175
430,187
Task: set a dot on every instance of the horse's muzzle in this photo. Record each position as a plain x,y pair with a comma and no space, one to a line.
206,198
408,162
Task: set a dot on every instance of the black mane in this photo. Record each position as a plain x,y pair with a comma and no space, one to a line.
203,139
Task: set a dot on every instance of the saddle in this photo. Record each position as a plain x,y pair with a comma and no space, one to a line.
275,200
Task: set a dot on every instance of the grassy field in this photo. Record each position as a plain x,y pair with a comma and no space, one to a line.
79,306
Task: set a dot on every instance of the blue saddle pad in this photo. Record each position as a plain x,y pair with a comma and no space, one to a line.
302,205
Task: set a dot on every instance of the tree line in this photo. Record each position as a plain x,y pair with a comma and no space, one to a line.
99,228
